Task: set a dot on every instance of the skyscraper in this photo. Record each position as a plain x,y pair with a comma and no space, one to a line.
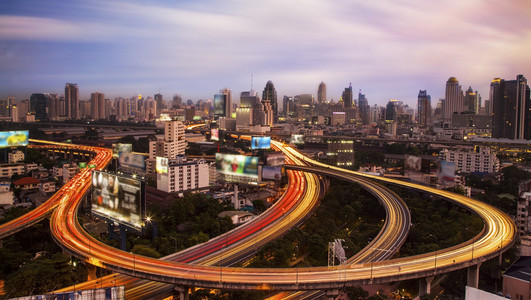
97,105
363,105
321,93
271,94
160,101
38,106
347,96
223,103
72,101
511,108
424,109
454,100
472,101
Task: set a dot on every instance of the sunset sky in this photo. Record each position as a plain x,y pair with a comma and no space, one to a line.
388,49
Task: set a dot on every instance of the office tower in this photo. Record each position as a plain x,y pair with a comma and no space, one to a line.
271,94
391,111
98,105
424,109
321,93
14,114
52,103
177,101
72,101
5,106
38,106
364,108
347,97
173,143
160,101
288,107
223,103
453,101
254,107
472,101
511,108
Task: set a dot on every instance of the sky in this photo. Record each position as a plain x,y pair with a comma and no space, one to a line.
388,49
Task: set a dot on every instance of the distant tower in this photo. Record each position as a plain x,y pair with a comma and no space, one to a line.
160,101
72,101
321,93
424,109
38,106
454,100
364,107
223,103
472,101
511,108
98,105
347,96
271,94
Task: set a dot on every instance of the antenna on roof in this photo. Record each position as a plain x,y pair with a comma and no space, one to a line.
251,81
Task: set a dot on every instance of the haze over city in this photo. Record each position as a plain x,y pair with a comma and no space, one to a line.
388,49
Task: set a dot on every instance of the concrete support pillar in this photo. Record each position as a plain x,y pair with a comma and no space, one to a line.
425,285
182,291
332,294
91,271
473,276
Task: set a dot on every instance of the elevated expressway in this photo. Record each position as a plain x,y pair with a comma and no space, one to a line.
241,242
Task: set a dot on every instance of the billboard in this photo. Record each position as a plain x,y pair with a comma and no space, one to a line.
161,165
296,139
131,160
214,134
220,103
121,148
14,138
238,165
446,170
274,173
275,159
260,142
413,162
118,198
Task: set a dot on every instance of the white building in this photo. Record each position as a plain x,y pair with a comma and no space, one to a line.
6,195
184,175
481,159
8,170
15,157
523,217
66,172
174,142
47,187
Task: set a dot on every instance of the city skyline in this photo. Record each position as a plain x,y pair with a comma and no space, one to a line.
389,50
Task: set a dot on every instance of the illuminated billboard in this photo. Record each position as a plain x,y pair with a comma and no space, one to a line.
297,139
118,198
275,159
220,104
133,161
214,134
237,165
260,142
121,148
413,162
13,138
446,170
161,165
274,173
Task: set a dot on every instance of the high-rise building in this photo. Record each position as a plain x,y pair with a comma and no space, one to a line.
38,106
251,102
424,109
454,100
288,107
5,106
472,101
223,103
321,93
391,111
511,108
160,101
72,101
97,105
174,142
347,97
177,101
270,94
184,175
364,108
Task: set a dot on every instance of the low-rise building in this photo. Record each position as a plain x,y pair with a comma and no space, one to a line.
480,160
184,175
8,170
66,171
237,217
47,187
15,157
27,183
6,195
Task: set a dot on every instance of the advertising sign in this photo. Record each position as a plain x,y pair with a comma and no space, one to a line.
219,105
274,173
131,160
446,170
121,148
260,142
13,138
413,162
239,165
275,159
161,165
296,139
118,198
214,134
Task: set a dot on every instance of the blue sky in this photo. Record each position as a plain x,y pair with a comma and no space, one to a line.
388,49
